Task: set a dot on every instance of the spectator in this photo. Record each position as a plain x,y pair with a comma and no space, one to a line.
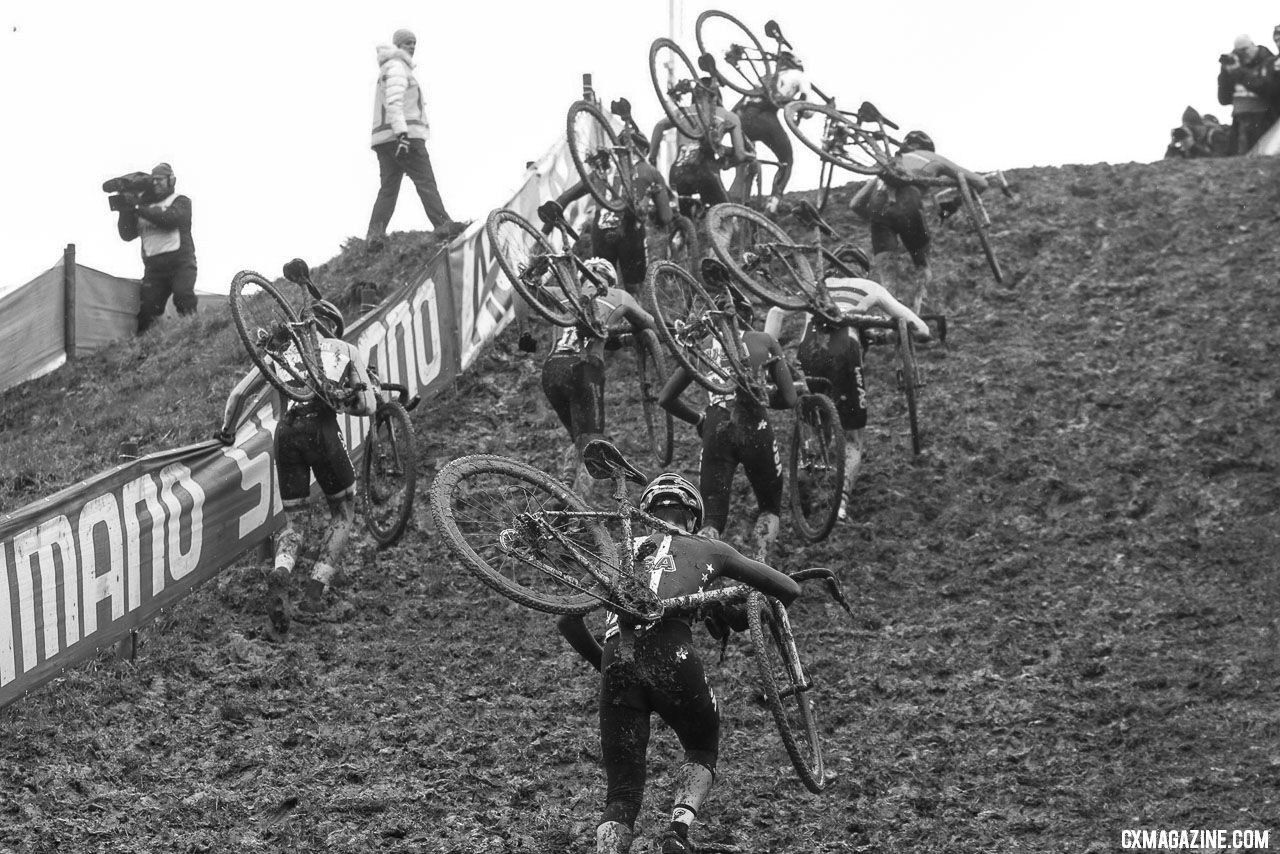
1241,81
162,219
400,140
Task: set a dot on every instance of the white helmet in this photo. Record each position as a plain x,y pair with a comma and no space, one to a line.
671,488
604,269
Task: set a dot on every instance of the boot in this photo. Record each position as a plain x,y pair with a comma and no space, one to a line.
278,609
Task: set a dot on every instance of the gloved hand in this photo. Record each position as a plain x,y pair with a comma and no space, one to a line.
527,343
402,146
226,437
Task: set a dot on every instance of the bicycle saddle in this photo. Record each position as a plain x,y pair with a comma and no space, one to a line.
868,113
707,63
297,271
603,461
773,31
550,212
808,214
621,108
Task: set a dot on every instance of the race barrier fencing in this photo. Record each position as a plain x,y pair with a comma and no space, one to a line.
84,567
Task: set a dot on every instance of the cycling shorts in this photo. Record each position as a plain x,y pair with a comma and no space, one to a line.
623,244
731,435
760,123
902,219
665,676
574,386
836,356
308,440
700,178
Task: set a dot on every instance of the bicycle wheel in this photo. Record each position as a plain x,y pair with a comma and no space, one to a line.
652,374
767,260
666,58
840,139
390,473
980,227
909,380
503,520
741,62
598,155
549,290
265,323
689,324
786,689
817,467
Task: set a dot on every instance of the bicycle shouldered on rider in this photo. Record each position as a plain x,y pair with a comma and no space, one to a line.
735,427
655,667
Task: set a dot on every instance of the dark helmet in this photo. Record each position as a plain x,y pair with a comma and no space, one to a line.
329,314
723,290
918,139
670,488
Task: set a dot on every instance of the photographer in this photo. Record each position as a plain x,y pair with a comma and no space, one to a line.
1241,83
151,210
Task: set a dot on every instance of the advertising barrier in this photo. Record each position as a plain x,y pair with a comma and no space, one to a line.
84,567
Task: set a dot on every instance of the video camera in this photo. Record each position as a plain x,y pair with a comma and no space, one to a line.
127,190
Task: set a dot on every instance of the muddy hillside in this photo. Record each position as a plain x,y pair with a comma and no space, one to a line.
1065,609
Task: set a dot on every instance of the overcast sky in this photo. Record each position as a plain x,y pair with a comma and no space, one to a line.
264,108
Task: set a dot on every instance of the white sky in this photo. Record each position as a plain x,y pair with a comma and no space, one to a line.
264,108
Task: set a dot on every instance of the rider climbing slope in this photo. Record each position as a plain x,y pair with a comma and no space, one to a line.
735,427
308,440
663,673
573,375
896,211
834,353
696,169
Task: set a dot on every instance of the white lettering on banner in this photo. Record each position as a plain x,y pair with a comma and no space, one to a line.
7,666
400,345
35,546
182,563
142,490
426,337
255,475
103,512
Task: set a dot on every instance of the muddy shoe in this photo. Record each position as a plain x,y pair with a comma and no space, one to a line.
279,611
674,843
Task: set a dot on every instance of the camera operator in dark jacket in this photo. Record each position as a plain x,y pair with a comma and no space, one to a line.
162,219
1241,83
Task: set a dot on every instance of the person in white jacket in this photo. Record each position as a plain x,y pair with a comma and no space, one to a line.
400,140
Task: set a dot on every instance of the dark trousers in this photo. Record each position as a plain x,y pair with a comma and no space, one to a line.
158,283
1246,128
417,165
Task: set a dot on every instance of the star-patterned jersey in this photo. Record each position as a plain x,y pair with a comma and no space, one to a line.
683,564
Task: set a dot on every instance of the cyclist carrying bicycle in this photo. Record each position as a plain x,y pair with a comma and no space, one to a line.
308,441
895,209
760,124
832,351
620,237
573,375
696,169
735,427
664,674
